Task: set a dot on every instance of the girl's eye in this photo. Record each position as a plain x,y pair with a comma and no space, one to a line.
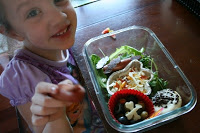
59,2
33,13
55,1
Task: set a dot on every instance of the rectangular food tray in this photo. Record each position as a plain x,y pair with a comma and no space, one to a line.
141,37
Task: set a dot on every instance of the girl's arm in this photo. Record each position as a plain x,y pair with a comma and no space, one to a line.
26,114
60,125
45,114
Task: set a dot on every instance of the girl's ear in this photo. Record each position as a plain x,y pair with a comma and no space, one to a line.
2,29
12,34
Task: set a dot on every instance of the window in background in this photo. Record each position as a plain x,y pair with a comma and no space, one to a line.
3,46
77,3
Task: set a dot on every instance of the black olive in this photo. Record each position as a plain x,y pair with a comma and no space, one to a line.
123,120
132,121
117,116
139,111
132,98
119,109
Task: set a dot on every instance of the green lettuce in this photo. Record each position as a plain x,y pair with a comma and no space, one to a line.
101,77
128,50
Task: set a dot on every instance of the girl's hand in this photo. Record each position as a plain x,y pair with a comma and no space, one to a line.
49,100
69,92
45,108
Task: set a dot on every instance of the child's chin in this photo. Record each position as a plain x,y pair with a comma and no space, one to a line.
69,45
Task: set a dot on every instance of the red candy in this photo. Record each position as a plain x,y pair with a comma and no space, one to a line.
107,30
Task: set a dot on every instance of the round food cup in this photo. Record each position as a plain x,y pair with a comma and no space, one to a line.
122,94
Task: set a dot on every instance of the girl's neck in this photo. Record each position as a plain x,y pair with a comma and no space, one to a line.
54,55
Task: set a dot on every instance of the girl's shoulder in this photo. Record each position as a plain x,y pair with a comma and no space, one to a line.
21,68
18,81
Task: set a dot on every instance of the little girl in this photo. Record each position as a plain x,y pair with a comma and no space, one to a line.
44,66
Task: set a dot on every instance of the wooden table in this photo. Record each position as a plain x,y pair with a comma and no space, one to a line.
176,27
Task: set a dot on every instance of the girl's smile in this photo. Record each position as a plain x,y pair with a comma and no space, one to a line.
47,26
63,33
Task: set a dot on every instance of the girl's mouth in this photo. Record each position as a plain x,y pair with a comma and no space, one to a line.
62,33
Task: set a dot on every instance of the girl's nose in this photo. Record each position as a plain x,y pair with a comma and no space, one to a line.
56,17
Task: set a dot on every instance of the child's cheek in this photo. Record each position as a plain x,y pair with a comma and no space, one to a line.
36,39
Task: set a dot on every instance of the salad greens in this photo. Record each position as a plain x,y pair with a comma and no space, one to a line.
157,84
101,77
124,52
127,50
146,61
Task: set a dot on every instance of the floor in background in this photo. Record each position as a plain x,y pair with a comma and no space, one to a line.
77,3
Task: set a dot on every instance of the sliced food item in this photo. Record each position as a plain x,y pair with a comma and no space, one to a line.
117,64
102,62
113,64
167,99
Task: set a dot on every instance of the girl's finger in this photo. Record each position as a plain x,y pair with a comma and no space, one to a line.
46,88
70,93
40,110
47,101
39,120
67,81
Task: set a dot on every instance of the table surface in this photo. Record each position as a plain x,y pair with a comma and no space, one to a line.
176,27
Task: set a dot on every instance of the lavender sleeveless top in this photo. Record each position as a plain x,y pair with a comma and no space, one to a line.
27,69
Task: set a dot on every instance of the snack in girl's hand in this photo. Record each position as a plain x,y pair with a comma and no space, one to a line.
70,93
130,106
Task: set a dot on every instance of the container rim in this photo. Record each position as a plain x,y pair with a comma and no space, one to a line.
143,125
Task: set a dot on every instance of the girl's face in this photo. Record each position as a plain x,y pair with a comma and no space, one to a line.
43,24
